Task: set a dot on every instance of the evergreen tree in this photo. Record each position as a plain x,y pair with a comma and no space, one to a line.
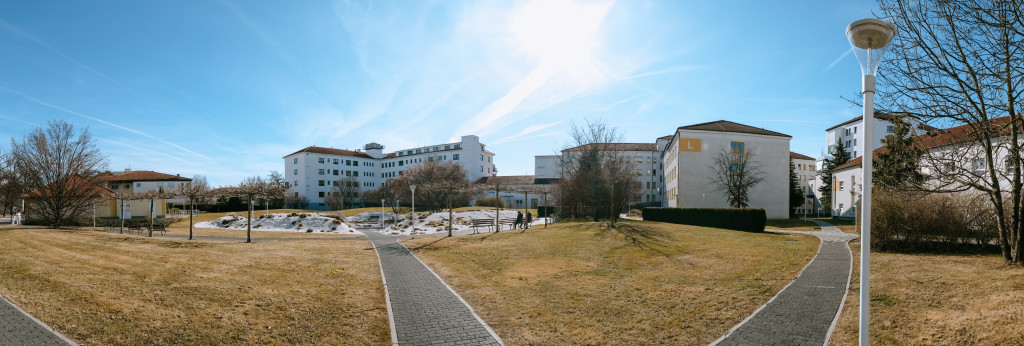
896,168
839,157
796,194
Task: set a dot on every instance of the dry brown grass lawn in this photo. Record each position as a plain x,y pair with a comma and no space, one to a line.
99,288
240,234
584,283
937,300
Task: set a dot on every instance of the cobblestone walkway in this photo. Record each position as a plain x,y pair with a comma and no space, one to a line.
425,311
18,328
804,312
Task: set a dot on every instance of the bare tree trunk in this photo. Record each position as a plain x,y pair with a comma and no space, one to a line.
150,217
248,225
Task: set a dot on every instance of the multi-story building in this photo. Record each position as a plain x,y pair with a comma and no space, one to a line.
851,132
313,171
139,182
645,156
806,174
689,166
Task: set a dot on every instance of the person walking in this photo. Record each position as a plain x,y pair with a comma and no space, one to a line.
519,220
529,218
17,219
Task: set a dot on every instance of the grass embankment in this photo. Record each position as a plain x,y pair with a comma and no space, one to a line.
100,288
924,299
792,224
586,283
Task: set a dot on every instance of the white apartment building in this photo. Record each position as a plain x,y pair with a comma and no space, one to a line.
688,166
646,157
851,132
138,182
806,175
312,171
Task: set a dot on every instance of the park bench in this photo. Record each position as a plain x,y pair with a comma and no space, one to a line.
506,221
482,223
160,228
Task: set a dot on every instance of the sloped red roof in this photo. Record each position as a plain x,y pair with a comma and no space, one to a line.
140,176
728,126
507,180
331,151
77,182
618,147
793,155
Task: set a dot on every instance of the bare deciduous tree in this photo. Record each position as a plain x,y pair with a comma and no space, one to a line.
60,167
344,192
597,178
961,63
735,173
11,186
196,191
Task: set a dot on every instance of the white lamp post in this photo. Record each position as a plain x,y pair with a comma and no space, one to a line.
382,215
413,188
869,38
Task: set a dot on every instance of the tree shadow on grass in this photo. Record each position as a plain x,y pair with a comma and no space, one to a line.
429,244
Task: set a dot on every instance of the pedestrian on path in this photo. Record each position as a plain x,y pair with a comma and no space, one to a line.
519,220
529,218
16,220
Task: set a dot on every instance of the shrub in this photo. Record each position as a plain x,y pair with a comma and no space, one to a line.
303,215
293,222
334,228
902,222
545,211
309,230
490,201
748,220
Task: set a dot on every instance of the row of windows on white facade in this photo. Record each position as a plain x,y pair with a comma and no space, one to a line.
139,185
437,148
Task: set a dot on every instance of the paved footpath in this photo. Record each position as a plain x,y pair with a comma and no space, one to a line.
805,311
19,328
425,311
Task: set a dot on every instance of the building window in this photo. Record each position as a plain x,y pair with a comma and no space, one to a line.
736,147
295,160
978,164
481,157
115,186
348,162
355,163
138,184
889,129
854,141
320,182
320,171
321,160
841,189
335,172
855,130
400,162
481,169
335,161
457,146
295,172
321,193
455,157
1010,167
847,144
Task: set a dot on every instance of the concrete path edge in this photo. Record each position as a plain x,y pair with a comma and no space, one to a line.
387,297
821,244
41,323
481,320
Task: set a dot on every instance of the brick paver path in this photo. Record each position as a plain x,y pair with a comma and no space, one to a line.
803,313
426,311
18,328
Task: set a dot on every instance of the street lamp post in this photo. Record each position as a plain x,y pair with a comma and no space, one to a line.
869,38
413,188
382,215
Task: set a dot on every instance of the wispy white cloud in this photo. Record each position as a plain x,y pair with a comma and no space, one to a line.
65,110
619,102
840,58
526,131
483,122
268,40
18,120
53,49
141,149
664,71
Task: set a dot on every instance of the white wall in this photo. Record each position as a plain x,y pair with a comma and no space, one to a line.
694,170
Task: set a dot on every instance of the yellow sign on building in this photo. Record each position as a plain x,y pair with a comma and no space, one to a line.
689,144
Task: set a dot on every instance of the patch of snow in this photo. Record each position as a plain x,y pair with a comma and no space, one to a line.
432,223
285,222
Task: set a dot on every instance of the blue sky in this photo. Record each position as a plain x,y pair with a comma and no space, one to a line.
226,88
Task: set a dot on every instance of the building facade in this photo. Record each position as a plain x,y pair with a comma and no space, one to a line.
312,172
689,166
806,174
139,182
645,156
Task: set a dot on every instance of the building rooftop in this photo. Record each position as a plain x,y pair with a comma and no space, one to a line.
507,180
331,151
618,147
728,126
797,156
130,176
883,116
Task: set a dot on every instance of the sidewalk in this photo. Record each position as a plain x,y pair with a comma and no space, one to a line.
17,327
805,311
423,309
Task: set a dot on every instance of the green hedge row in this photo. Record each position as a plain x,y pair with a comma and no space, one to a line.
748,220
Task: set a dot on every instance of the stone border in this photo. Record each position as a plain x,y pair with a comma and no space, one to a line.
487,327
849,278
387,297
821,244
40,323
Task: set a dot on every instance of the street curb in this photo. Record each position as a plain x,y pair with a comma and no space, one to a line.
489,330
387,296
37,321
